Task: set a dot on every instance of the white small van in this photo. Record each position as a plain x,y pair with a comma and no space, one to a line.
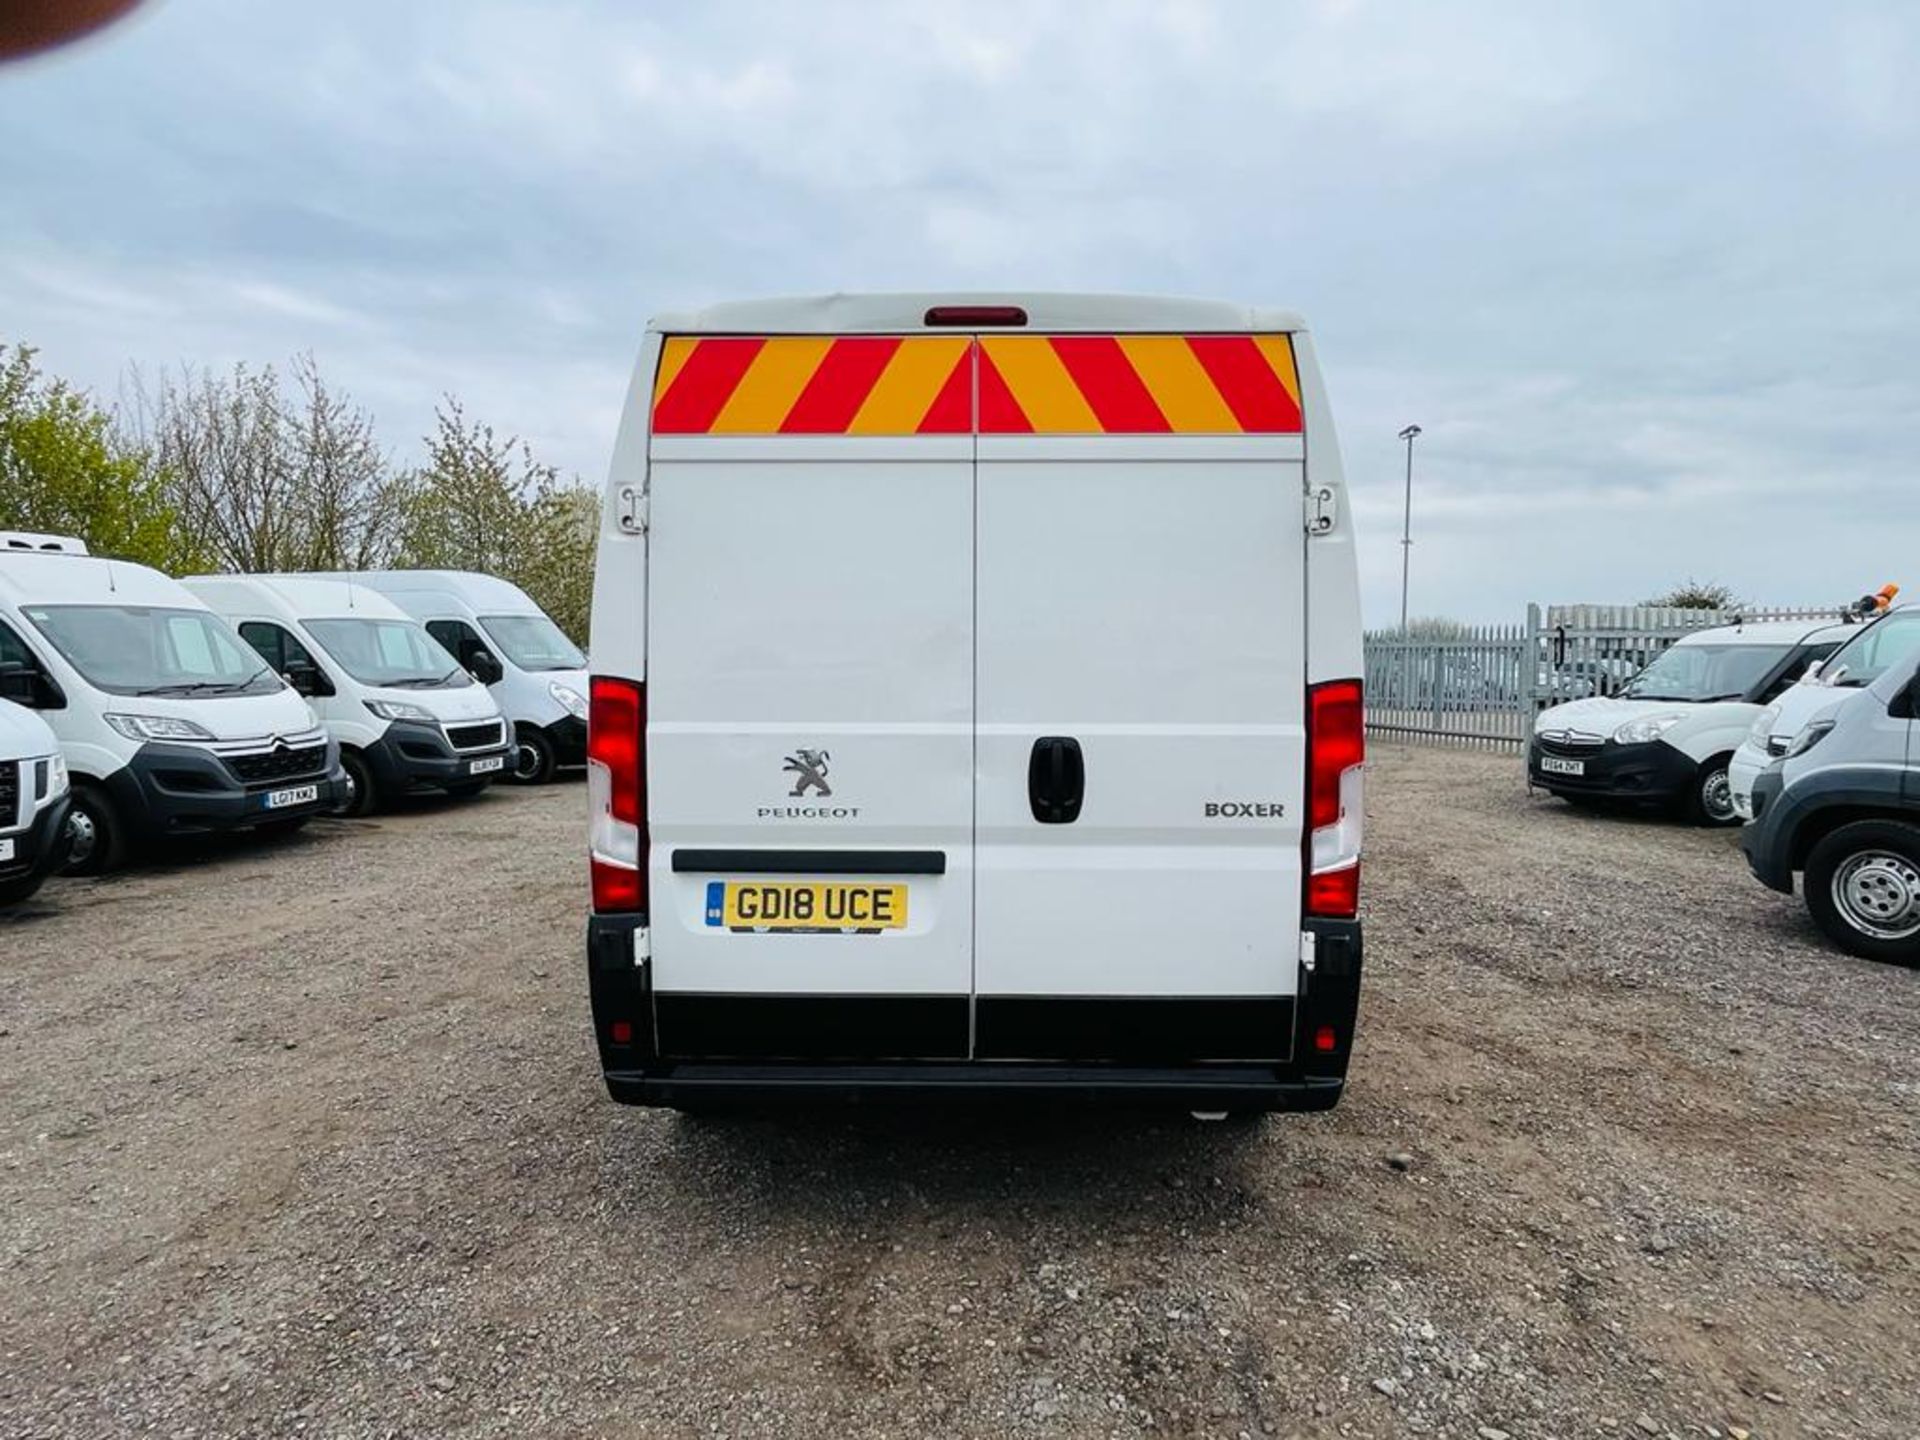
1666,738
537,675
405,714
33,801
1870,650
169,723
976,708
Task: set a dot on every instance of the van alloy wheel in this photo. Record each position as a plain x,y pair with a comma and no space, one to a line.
1878,893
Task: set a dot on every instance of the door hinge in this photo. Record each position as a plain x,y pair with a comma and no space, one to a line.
642,947
1323,508
630,510
1309,951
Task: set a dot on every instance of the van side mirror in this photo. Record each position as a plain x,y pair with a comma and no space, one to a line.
28,688
482,664
1906,704
308,680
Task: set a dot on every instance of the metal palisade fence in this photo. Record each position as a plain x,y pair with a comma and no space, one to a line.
1481,685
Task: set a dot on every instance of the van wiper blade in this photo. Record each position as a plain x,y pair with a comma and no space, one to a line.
192,687
422,682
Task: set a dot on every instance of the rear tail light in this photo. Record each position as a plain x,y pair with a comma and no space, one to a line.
617,793
1336,748
972,316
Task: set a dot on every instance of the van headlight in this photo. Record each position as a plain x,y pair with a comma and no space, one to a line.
58,781
1762,729
157,727
1809,737
570,699
399,710
1646,729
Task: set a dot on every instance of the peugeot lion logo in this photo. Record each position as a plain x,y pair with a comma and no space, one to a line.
811,767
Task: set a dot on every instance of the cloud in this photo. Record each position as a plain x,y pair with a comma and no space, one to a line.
1645,275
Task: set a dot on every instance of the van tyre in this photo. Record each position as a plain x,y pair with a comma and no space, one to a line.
96,838
1863,889
362,794
17,892
532,757
1710,801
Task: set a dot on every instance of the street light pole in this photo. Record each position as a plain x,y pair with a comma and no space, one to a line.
1406,526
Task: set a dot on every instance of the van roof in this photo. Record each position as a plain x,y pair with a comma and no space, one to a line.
1769,632
44,578
483,593
301,597
841,314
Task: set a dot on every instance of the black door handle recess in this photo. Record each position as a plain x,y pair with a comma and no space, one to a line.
1056,779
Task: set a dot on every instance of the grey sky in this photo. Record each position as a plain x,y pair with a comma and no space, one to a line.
1645,273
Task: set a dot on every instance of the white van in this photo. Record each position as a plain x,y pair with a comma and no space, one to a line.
1666,738
169,723
33,800
1868,652
975,707
405,714
537,675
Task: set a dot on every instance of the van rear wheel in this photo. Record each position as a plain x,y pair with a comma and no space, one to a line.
1863,889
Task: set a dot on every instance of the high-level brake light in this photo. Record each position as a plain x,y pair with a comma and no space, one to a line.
1336,749
975,316
617,793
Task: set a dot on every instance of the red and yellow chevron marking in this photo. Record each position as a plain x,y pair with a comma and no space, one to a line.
1138,385
814,385
1026,384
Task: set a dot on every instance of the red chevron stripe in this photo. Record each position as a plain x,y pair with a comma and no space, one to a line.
1247,383
840,386
1107,381
703,385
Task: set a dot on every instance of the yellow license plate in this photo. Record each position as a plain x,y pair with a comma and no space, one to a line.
807,907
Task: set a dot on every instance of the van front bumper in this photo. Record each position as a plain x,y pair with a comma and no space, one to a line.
412,755
675,1050
38,848
172,789
1653,772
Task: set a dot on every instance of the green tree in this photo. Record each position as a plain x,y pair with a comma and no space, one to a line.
1692,594
482,502
65,469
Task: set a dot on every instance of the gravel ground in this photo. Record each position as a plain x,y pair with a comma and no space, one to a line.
310,1140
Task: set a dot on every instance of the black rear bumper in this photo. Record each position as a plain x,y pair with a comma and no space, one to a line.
1199,1053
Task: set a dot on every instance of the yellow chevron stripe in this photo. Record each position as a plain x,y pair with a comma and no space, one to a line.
772,383
905,391
1279,352
1179,385
673,354
1045,391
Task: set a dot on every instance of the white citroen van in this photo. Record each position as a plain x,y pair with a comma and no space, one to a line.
975,707
537,676
405,715
170,725
1868,653
1666,738
33,800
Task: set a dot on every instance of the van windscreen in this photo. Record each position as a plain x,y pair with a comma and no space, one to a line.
153,650
533,642
397,653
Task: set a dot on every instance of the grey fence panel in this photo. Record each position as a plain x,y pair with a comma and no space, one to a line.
1481,685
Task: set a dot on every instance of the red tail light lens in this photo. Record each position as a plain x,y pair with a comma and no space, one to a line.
974,316
1326,1039
1336,749
617,793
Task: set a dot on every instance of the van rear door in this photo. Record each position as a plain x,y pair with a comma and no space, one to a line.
810,697
1140,691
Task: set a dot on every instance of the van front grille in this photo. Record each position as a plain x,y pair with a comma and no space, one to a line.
9,792
476,737
280,764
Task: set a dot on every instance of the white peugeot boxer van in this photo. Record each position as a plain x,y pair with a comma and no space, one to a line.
537,675
33,800
405,715
169,723
975,707
1868,653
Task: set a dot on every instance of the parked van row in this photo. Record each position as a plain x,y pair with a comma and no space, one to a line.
254,702
1807,733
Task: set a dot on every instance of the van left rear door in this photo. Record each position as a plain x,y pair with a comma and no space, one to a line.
810,698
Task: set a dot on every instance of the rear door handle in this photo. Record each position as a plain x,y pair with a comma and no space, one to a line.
1056,779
